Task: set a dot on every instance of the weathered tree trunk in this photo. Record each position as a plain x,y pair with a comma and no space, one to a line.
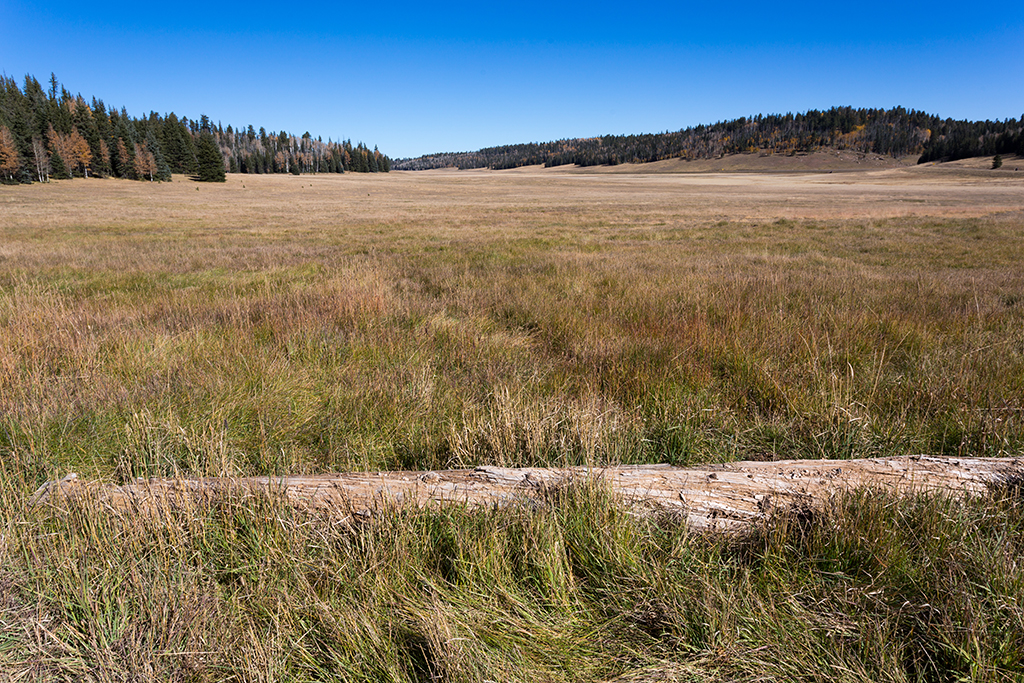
722,497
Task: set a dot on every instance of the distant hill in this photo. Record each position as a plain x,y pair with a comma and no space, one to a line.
896,132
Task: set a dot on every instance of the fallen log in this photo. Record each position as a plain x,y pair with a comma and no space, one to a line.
719,497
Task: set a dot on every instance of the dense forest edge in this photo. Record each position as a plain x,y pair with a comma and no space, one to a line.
48,133
896,132
45,132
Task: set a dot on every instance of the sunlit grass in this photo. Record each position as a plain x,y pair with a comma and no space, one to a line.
870,589
437,321
325,342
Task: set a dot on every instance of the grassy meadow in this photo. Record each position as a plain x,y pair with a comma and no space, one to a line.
278,325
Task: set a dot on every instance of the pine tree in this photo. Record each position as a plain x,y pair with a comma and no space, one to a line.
101,147
211,163
178,146
124,162
45,119
997,161
163,171
57,164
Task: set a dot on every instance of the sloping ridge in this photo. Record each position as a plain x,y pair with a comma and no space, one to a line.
715,497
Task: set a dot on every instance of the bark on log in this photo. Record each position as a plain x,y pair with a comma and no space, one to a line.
719,497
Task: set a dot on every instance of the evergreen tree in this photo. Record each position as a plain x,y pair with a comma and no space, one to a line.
101,151
86,125
123,159
43,120
59,169
163,171
997,161
178,146
211,163
16,113
126,137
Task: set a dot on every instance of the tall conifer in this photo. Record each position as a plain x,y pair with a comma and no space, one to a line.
59,169
211,163
163,171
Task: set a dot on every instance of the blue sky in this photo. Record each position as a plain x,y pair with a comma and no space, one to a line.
416,78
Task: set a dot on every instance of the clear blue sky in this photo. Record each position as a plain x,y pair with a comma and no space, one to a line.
416,78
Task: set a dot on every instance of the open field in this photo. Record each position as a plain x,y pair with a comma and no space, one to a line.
823,161
447,319
450,319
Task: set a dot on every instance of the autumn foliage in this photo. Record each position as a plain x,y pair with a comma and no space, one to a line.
72,148
49,131
9,160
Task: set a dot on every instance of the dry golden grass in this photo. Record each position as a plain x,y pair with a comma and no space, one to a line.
282,324
451,318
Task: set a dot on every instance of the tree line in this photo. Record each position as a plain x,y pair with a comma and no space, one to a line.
895,132
45,132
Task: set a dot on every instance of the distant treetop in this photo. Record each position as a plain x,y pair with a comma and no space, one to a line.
894,132
49,133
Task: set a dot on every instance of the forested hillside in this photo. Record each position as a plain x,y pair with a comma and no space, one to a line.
49,133
895,132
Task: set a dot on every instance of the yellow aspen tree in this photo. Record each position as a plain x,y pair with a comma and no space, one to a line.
9,160
281,162
124,159
81,155
145,162
56,141
59,147
104,152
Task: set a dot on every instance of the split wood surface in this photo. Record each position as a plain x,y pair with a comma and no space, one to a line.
721,497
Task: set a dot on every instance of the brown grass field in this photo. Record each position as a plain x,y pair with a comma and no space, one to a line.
452,318
280,324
